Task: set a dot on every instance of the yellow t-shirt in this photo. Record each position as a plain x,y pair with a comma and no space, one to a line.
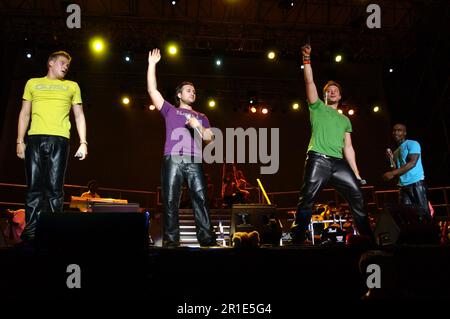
51,101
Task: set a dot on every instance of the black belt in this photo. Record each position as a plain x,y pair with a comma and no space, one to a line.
323,155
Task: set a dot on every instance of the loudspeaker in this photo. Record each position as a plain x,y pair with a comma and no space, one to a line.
256,217
404,224
95,233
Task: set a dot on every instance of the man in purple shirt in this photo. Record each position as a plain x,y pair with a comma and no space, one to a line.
185,131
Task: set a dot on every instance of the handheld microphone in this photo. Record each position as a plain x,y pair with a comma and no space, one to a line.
188,117
391,158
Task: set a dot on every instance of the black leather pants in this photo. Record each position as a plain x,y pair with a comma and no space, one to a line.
416,194
176,170
321,171
45,167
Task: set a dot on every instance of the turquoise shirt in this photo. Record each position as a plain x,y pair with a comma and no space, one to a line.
416,173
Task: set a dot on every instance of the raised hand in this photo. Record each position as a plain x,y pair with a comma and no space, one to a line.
154,56
306,50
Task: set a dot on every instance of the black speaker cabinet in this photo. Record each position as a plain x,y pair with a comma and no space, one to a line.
257,217
93,232
402,224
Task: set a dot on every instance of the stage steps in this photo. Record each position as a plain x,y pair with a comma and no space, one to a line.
221,220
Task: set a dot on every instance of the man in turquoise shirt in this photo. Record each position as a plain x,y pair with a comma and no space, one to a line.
330,158
408,167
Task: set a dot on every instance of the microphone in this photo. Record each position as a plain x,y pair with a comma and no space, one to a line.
391,157
188,117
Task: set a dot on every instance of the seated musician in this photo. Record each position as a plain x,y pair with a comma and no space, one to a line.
92,190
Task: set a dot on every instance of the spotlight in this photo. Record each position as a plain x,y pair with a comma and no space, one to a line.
264,110
302,67
152,107
253,109
127,57
28,55
97,45
338,58
172,49
271,55
351,112
391,70
125,100
218,62
173,2
295,106
376,109
340,111
211,103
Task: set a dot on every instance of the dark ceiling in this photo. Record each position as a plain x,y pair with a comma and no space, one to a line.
235,26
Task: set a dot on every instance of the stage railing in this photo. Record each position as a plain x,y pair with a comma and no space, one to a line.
13,195
326,195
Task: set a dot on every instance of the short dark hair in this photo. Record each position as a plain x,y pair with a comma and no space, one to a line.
56,54
178,89
331,83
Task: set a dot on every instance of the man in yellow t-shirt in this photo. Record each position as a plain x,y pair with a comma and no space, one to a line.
47,102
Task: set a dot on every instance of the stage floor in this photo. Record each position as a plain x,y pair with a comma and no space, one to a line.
217,274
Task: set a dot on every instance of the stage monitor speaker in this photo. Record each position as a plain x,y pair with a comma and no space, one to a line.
257,217
121,232
401,224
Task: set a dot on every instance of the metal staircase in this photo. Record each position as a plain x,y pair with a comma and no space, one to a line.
220,218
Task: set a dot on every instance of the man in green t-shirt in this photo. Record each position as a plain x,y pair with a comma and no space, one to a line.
47,102
330,159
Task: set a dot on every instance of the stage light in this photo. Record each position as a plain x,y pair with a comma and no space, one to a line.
338,58
264,110
351,112
271,55
211,103
173,2
253,109
295,106
391,70
28,55
97,45
376,109
152,107
218,62
125,100
340,111
172,49
302,67
127,57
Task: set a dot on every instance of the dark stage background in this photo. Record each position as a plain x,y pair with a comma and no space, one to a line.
126,143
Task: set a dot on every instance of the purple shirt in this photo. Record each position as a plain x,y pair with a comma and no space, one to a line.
179,136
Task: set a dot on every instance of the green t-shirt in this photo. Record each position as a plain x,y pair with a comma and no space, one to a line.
328,128
51,101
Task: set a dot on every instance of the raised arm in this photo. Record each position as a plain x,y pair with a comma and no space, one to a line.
153,58
311,90
24,121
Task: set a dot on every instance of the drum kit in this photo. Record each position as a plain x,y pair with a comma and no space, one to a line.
330,224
